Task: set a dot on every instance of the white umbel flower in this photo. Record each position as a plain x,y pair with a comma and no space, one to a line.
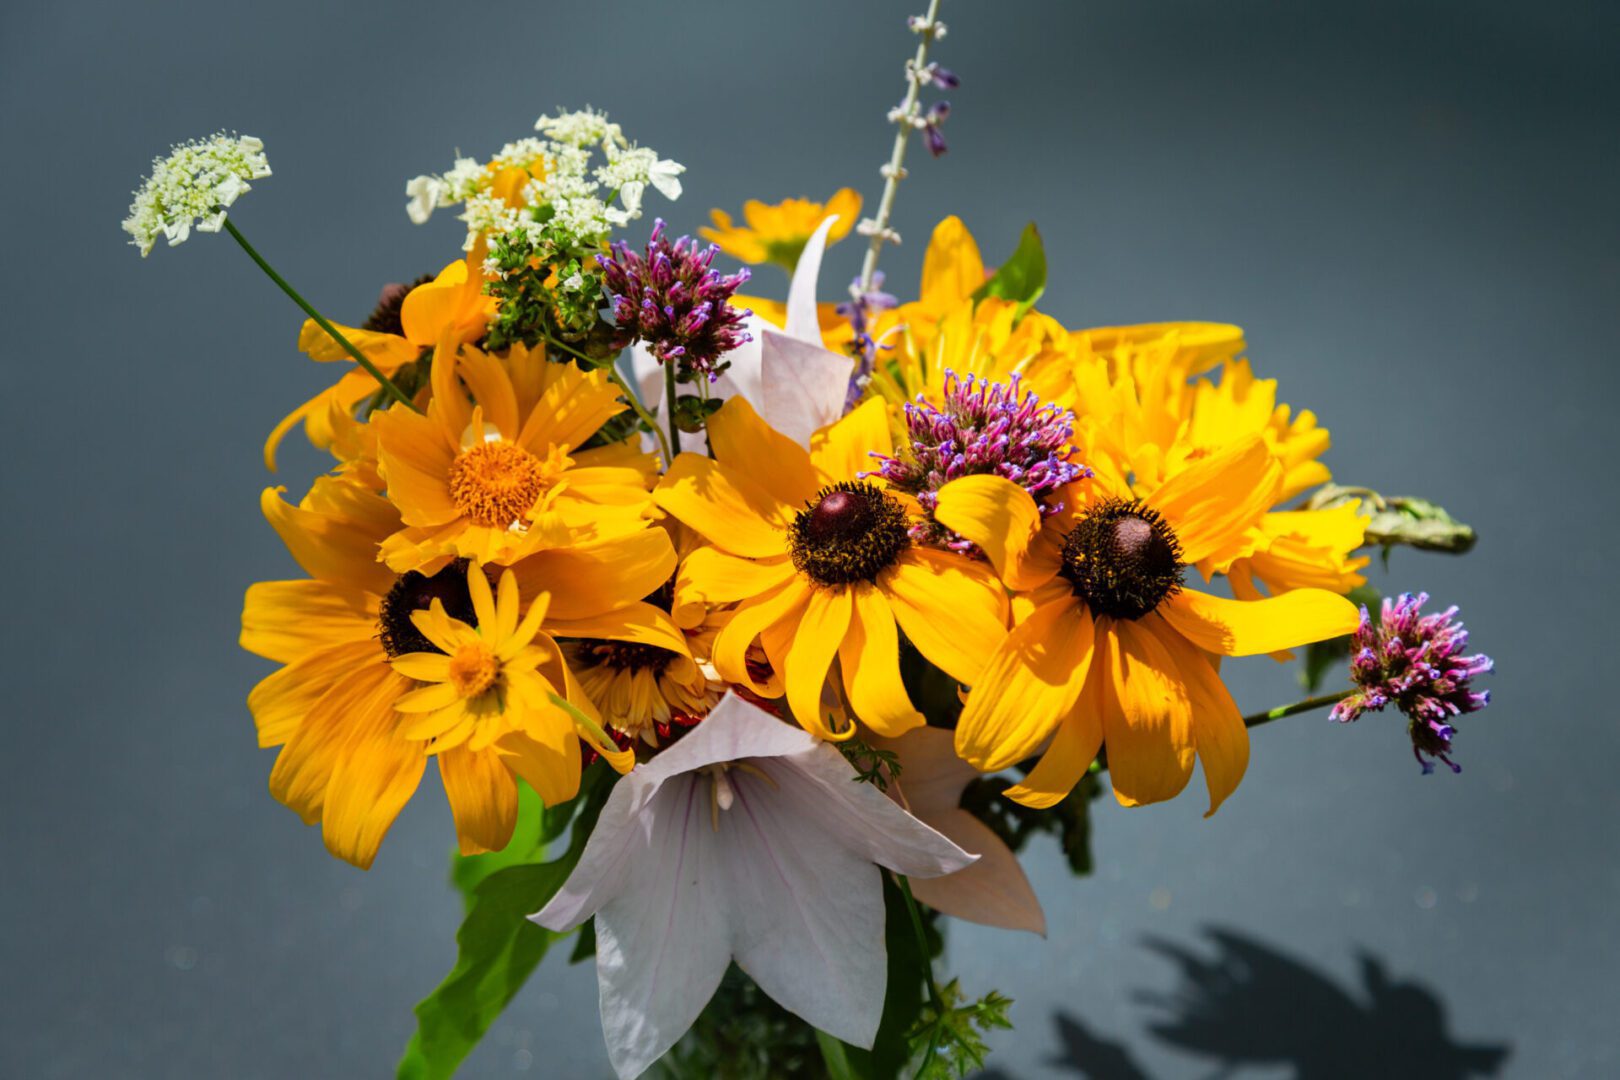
629,171
194,185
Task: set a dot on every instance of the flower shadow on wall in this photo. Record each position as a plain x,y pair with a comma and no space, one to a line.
1250,1005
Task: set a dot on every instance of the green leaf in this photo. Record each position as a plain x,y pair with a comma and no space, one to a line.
528,844
1400,520
498,947
835,1055
1022,278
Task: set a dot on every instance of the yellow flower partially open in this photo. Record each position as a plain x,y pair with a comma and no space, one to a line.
777,233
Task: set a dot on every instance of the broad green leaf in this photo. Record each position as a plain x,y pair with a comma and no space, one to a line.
1400,520
497,946
1022,278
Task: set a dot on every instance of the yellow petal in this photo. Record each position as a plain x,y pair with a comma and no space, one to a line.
731,512
415,457
844,448
870,658
821,629
1214,501
1003,520
1252,627
339,545
284,620
1146,714
710,576
423,666
747,446
1218,731
374,778
483,799
1074,747
387,351
491,388
1029,685
586,581
952,267
784,604
282,699
546,755
952,609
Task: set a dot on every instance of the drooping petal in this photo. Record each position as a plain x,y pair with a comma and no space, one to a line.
1251,627
283,698
1002,519
993,891
1218,731
710,576
953,610
729,510
1073,748
586,581
815,643
483,798
1147,715
374,777
785,603
284,620
1029,685
870,658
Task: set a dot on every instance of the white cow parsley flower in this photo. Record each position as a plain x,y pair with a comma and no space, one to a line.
194,185
628,171
587,127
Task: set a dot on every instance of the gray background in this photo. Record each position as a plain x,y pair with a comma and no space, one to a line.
1408,206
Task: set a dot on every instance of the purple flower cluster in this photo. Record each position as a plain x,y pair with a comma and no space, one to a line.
676,302
1415,663
982,428
859,310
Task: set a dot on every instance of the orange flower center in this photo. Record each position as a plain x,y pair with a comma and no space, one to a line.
496,484
474,669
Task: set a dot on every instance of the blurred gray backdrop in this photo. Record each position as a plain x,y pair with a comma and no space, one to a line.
1409,206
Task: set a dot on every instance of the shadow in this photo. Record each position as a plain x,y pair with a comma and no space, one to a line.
1251,1005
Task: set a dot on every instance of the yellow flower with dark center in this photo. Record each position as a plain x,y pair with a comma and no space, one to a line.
1109,645
406,324
822,571
347,759
777,233
494,471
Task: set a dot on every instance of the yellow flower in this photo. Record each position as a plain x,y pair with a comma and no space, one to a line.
346,760
1108,647
777,233
453,304
494,471
821,568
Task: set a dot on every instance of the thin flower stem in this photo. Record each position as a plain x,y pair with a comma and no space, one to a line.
897,156
1321,701
922,938
669,406
320,320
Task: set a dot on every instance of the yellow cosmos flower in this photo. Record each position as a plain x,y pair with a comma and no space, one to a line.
777,233
822,569
452,304
1109,647
494,471
346,760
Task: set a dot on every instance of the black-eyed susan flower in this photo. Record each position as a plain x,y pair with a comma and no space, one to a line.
494,468
777,232
347,760
1110,647
822,569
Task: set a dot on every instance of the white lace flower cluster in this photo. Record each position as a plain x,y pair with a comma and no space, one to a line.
577,193
194,185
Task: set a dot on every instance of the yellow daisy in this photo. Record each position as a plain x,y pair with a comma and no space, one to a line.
822,569
405,324
777,233
1110,648
493,470
345,759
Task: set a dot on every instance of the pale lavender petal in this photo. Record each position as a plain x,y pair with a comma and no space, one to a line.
662,943
803,385
801,302
806,908
993,891
820,789
733,730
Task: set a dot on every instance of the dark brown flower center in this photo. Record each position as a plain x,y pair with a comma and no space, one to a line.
416,592
850,532
1122,559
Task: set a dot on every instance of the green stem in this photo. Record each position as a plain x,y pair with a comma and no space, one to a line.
320,320
669,406
1321,701
934,996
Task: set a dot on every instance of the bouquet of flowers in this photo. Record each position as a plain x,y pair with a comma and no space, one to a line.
753,637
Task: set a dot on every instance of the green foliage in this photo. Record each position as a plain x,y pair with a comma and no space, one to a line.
872,766
1400,520
1069,821
950,1034
1022,278
549,287
692,412
498,947
1322,657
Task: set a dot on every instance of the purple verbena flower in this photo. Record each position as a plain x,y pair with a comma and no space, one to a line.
676,302
983,428
859,309
1415,663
